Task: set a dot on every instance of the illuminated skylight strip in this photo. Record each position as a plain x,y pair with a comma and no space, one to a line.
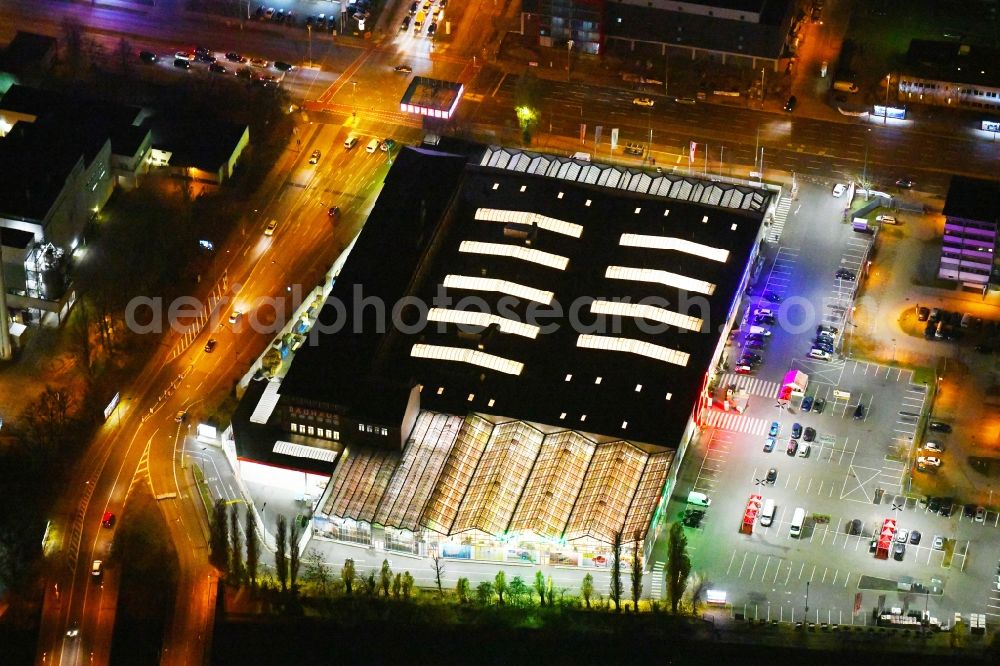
524,217
649,312
470,356
483,319
515,252
660,277
500,286
676,244
632,346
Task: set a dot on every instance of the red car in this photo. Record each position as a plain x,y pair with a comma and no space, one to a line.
108,520
743,370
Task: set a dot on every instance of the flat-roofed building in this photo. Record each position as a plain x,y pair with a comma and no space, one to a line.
968,248
516,351
951,74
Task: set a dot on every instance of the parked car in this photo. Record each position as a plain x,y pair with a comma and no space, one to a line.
205,57
854,527
148,56
938,543
406,69
259,62
181,63
775,429
283,66
886,219
809,435
750,358
184,55
914,537
643,101
772,476
216,68
769,444
793,446
933,447
818,405
790,104
796,430
923,313
804,450
743,369
754,344
845,274
807,403
820,354
772,297
928,461
939,426
839,189
902,535
233,56
980,514
859,411
933,504
898,551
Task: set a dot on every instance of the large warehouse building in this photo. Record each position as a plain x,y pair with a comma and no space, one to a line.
512,359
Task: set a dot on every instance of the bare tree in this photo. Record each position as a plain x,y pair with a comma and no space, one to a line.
438,563
281,551
636,571
616,571
697,583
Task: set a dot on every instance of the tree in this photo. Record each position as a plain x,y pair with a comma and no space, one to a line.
293,556
78,330
253,548
407,584
518,590
317,572
636,571
124,55
462,590
616,571
218,540
438,563
385,578
587,589
678,565
281,551
371,584
271,362
348,574
72,42
397,585
235,545
500,585
697,582
540,588
552,592
484,593
48,419
527,96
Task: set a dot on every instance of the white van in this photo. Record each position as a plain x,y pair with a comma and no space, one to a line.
759,330
767,513
700,499
799,517
350,142
372,146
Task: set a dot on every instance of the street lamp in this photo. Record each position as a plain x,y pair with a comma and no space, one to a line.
806,618
309,29
354,97
894,350
569,56
885,114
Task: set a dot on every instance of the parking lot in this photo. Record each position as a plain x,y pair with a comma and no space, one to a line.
855,470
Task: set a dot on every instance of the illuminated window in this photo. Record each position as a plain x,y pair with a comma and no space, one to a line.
638,387
559,196
583,417
638,210
632,346
666,212
562,415
470,356
312,430
733,228
472,396
675,244
650,312
660,277
295,427
499,286
624,424
361,427
526,218
524,187
587,203
669,396
569,377
369,429
336,435
491,402
515,252
704,219
496,186
384,432
440,390
597,381
483,319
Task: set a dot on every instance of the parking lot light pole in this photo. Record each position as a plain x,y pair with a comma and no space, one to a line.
806,616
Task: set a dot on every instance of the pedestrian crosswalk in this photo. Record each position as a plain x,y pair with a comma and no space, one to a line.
752,385
656,592
780,215
735,422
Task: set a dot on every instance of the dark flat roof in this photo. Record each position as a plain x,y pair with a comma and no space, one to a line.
255,441
17,238
953,62
127,140
35,161
973,199
618,393
204,143
765,39
26,49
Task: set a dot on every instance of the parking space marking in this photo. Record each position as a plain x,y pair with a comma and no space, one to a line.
734,422
862,477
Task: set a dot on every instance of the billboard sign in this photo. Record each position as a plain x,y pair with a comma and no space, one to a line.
895,113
